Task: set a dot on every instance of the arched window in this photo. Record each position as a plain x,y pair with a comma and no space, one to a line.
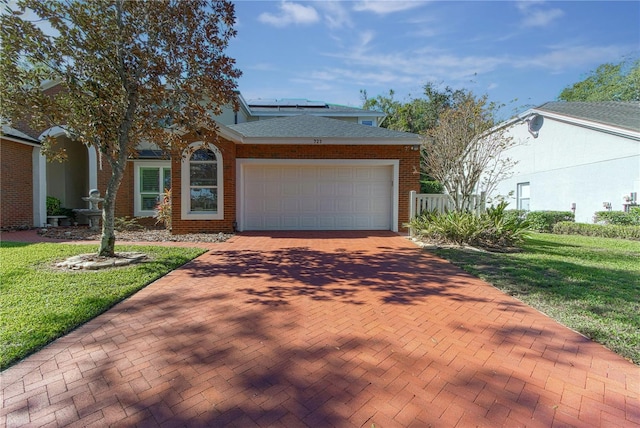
202,193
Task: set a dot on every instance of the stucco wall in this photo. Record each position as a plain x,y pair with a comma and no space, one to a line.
570,164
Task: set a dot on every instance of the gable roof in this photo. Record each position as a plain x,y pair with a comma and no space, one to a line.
18,136
614,113
309,128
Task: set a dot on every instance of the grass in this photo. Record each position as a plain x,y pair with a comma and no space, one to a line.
40,304
589,284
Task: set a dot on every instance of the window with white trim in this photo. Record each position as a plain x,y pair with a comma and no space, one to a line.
202,195
151,179
523,197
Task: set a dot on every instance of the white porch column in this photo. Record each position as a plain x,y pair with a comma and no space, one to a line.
39,176
93,168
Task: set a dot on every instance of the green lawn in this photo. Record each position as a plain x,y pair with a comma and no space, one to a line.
39,304
591,285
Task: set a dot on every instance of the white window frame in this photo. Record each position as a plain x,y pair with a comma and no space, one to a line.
519,192
186,213
137,196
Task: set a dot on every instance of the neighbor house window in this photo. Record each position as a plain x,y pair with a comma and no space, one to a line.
202,183
367,122
151,179
523,196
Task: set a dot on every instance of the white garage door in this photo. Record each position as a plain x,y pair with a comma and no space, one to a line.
313,197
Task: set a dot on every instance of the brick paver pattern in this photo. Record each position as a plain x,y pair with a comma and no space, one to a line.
321,329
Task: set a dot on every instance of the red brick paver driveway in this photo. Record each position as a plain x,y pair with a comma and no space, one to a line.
347,330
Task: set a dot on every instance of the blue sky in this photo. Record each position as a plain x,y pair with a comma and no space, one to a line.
524,51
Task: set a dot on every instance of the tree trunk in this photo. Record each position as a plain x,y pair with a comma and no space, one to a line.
108,238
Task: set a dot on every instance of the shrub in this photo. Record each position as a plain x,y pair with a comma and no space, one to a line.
543,221
598,230
502,227
492,228
631,218
431,187
163,210
55,208
122,224
53,205
513,215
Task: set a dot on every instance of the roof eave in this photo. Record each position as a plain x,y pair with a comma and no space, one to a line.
331,141
364,113
590,124
20,140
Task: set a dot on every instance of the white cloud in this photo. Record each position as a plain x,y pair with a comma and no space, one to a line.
366,67
263,66
365,38
559,58
542,18
537,16
525,5
290,13
335,14
385,7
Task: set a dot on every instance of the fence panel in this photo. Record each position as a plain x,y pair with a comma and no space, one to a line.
420,202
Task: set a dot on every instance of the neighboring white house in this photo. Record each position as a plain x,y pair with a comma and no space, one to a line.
579,156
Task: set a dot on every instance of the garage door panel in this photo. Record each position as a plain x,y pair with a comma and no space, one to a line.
344,206
361,205
346,189
311,197
308,205
291,189
308,222
325,189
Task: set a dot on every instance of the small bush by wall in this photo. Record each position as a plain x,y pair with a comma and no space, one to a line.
599,230
491,229
543,221
621,218
513,215
431,187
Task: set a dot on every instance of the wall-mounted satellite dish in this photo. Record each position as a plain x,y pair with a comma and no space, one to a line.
535,123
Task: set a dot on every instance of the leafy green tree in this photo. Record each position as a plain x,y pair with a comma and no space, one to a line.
609,82
131,71
416,115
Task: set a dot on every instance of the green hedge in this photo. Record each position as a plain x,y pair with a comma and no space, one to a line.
543,221
514,215
431,187
599,230
621,218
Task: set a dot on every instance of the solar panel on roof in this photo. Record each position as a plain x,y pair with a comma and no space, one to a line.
286,102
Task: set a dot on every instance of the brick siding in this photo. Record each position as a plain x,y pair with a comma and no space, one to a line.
408,174
16,184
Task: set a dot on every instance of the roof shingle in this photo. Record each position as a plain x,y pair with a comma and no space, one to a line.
306,126
616,113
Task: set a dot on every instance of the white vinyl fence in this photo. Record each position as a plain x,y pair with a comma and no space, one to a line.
420,202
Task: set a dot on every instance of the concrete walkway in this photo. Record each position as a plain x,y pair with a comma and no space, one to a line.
321,329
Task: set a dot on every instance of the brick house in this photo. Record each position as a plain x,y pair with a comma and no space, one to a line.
276,165
18,181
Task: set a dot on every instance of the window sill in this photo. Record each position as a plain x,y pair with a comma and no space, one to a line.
201,216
